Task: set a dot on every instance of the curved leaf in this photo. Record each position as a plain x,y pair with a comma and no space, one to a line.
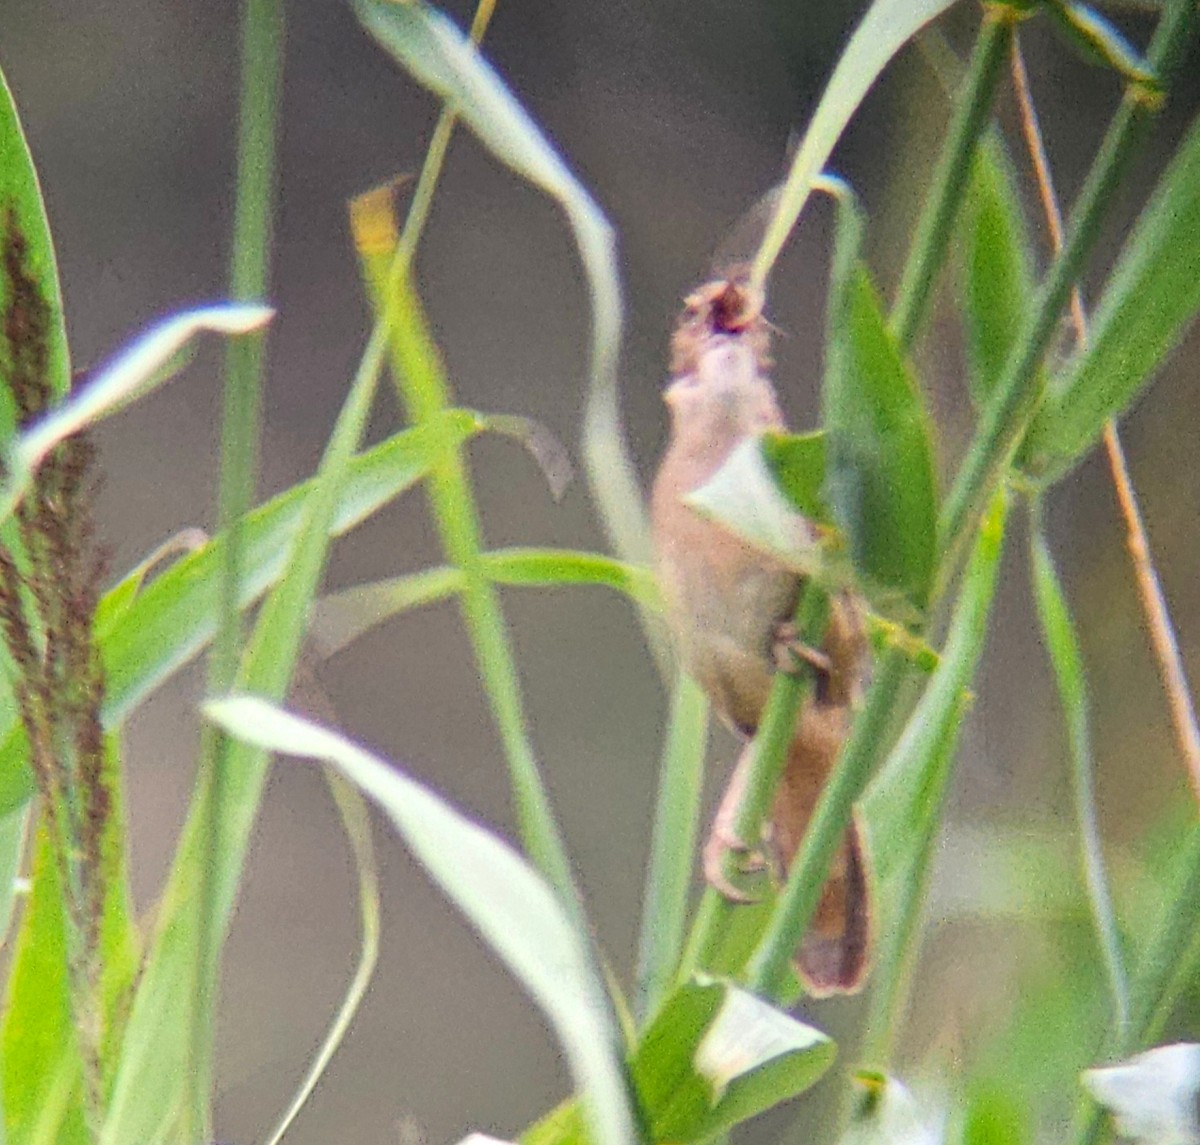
145,364
1152,296
885,29
505,899
173,617
441,58
716,1056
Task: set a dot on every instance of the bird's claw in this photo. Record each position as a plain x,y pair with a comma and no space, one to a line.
720,845
790,653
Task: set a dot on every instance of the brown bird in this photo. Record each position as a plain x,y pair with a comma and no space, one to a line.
729,606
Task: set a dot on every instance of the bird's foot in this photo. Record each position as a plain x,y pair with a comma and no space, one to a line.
790,653
725,852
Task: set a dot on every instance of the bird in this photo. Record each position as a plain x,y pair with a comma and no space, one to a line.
729,606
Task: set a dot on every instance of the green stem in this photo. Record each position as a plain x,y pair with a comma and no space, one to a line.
789,692
898,945
1067,660
664,908
424,391
767,971
932,235
262,68
915,779
1016,395
435,154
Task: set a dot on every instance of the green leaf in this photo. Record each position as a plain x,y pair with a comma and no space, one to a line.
342,617
441,58
1151,298
23,214
150,637
997,266
1066,657
745,496
42,1073
880,480
146,364
42,1070
797,463
885,29
166,1045
994,1117
673,844
910,779
1099,41
505,899
716,1056
115,603
356,821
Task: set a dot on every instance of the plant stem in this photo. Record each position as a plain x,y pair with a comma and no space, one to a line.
262,69
1067,661
435,154
928,731
789,692
934,227
1016,395
768,968
1065,653
424,392
898,944
1171,670
664,907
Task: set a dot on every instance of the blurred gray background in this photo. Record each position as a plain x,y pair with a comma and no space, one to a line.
677,115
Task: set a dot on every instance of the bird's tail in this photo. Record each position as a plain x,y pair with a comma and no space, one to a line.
833,955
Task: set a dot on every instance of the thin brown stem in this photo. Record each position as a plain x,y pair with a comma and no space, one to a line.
1154,603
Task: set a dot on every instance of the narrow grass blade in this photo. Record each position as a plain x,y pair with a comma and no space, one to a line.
357,823
996,266
151,1079
262,35
342,617
768,970
424,392
515,911
1151,298
149,362
1100,42
116,602
901,890
23,222
174,616
1066,657
1005,419
672,848
884,30
441,58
